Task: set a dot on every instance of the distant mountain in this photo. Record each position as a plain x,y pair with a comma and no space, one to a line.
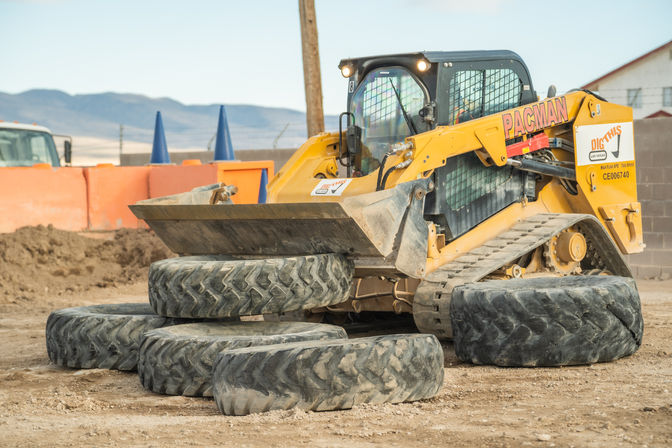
99,115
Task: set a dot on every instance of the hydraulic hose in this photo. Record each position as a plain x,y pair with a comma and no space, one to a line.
398,166
380,171
387,173
547,169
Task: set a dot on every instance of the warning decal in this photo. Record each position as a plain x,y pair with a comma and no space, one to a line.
604,143
330,187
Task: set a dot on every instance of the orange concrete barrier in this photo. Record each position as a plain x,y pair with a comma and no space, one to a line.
165,180
246,177
171,179
32,196
110,191
97,198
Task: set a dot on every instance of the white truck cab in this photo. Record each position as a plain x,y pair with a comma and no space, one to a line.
30,144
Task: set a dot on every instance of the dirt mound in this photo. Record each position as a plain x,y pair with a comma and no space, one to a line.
40,261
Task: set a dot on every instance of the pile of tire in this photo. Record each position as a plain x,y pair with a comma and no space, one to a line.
189,339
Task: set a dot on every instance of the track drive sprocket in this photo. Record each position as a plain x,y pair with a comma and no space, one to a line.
563,252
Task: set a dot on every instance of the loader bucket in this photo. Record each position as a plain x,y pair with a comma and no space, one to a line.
383,232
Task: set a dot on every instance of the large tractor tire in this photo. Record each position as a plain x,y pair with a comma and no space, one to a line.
328,375
101,336
218,286
178,360
547,321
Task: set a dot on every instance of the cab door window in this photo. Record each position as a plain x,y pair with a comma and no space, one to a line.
386,105
475,93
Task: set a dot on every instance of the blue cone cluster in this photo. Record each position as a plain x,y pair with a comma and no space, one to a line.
223,146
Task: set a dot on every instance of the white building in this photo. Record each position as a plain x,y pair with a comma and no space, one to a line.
645,84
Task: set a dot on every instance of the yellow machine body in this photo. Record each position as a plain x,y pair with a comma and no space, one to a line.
606,190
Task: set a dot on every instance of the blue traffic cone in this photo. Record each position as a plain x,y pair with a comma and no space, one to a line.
223,146
159,148
262,187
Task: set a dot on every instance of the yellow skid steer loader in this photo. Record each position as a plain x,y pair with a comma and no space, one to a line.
452,193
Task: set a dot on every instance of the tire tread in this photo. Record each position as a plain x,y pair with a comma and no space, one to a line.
328,375
547,321
181,364
212,286
101,336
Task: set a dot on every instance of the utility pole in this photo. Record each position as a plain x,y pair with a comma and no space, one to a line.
311,67
121,141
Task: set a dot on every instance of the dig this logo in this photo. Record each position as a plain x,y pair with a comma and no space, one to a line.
330,187
597,150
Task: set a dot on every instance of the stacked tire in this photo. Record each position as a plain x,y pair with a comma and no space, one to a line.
101,336
189,339
547,321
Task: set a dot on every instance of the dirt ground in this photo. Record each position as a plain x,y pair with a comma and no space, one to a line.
624,403
39,261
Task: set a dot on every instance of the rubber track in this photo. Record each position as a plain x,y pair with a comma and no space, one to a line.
211,286
328,375
178,360
431,304
101,336
547,321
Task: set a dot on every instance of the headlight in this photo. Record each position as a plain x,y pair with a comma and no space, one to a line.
422,65
346,71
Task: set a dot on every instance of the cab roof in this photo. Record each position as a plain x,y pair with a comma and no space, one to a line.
436,57
23,126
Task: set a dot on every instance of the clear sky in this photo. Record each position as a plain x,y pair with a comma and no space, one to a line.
249,52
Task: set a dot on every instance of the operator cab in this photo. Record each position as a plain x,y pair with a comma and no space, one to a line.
395,96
